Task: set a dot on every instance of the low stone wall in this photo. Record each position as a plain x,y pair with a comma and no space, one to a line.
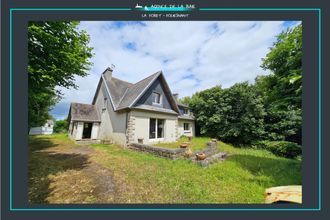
159,151
210,149
211,159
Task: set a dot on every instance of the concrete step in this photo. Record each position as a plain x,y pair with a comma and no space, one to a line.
87,141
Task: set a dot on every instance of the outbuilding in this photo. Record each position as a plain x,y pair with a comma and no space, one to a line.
84,121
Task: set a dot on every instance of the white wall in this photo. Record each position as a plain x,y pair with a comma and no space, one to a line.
41,130
142,126
79,131
73,132
181,131
170,131
95,130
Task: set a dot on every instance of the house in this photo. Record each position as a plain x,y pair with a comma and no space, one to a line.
47,128
122,112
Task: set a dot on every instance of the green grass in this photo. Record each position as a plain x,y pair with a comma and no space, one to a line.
194,145
144,178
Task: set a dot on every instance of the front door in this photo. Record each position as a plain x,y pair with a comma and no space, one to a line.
87,130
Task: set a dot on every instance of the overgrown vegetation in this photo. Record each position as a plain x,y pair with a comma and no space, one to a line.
61,126
57,52
59,174
269,109
281,148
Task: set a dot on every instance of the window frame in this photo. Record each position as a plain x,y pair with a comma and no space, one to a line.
188,125
156,138
153,98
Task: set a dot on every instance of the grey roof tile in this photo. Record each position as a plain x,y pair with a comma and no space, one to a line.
181,104
135,90
117,89
84,112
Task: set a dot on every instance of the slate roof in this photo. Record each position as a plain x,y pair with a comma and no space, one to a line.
84,112
117,88
181,104
135,90
124,94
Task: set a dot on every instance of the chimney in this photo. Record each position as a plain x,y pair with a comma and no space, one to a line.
176,96
108,72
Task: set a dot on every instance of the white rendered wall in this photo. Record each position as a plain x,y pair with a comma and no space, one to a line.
142,126
95,130
79,131
190,132
41,130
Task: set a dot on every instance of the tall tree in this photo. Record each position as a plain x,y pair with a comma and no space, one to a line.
281,91
285,62
57,52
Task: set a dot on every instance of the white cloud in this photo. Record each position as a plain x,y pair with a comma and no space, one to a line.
194,55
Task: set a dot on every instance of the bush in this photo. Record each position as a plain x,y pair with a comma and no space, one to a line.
234,115
281,148
61,126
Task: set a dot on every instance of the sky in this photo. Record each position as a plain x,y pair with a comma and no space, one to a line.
193,55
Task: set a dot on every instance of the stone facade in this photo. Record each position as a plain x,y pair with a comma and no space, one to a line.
130,131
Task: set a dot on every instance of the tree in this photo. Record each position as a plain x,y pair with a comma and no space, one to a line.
285,62
61,126
281,91
57,52
234,115
268,110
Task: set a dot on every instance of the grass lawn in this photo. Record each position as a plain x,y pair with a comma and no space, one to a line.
195,144
143,178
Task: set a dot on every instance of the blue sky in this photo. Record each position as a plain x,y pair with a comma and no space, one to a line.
193,55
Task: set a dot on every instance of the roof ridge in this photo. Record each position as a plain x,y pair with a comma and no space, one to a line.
158,72
81,103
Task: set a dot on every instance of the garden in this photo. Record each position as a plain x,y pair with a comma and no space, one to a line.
62,172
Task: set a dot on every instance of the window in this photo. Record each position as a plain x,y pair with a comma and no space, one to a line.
156,98
185,111
186,126
156,128
160,128
152,128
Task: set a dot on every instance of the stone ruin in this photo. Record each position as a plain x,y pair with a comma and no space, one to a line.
211,152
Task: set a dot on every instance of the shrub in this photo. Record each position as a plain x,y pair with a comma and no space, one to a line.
281,148
234,115
61,126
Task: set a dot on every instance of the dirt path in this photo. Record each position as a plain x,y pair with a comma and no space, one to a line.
76,179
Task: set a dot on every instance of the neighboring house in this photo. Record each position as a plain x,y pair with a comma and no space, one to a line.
47,128
122,112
